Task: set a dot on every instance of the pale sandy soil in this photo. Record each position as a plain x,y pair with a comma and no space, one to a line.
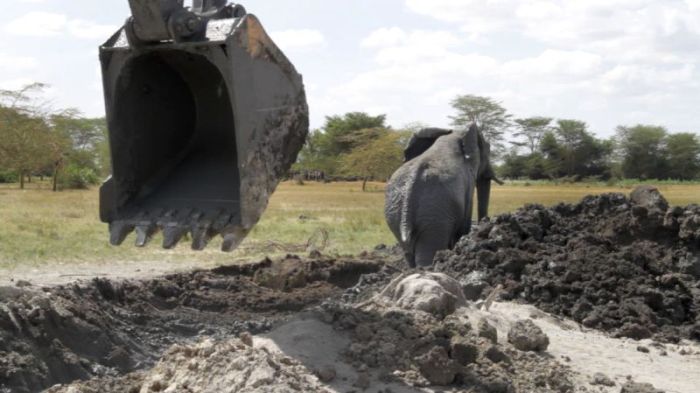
66,273
592,351
316,345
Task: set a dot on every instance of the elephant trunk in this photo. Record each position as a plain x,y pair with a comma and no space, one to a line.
483,194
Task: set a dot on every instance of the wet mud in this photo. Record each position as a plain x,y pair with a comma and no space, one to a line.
101,327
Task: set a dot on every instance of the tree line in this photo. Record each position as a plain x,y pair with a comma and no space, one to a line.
358,145
73,150
354,146
36,141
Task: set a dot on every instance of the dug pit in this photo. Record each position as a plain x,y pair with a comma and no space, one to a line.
101,327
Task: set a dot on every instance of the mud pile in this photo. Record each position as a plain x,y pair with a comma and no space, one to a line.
418,332
232,365
104,328
630,266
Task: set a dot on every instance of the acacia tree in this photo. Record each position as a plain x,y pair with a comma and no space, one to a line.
24,134
378,158
77,141
490,115
339,135
531,130
33,139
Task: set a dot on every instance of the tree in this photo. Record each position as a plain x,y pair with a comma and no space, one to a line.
82,143
57,147
339,135
376,159
571,134
683,151
531,130
572,151
34,139
490,115
643,151
24,134
530,166
342,133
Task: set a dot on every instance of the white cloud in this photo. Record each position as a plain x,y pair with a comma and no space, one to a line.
641,80
10,62
555,62
298,39
48,24
417,46
386,36
89,30
582,71
15,83
573,58
38,24
572,24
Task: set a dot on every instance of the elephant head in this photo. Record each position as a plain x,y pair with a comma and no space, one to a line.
476,151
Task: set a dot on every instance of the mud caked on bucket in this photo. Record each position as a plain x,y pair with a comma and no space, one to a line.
205,115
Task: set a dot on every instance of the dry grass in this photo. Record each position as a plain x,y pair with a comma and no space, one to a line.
40,227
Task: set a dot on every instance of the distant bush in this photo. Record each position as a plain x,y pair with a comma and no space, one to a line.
77,178
7,176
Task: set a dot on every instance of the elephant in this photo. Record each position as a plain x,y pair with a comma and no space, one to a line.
429,199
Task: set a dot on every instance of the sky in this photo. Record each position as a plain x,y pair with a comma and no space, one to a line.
607,62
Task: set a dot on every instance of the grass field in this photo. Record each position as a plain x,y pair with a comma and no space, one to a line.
39,227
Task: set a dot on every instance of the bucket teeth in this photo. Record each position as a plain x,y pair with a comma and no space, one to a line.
172,230
118,231
200,237
175,224
221,221
144,233
172,236
232,238
201,230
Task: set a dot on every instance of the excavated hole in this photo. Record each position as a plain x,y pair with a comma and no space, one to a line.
102,327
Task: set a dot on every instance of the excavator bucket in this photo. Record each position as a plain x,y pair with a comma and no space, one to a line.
205,115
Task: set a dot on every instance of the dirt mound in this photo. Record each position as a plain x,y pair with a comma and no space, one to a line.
104,328
211,366
427,342
630,266
386,344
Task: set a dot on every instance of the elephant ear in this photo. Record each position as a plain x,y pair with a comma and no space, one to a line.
471,144
421,141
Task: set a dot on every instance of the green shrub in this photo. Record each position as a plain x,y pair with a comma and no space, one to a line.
8,177
77,178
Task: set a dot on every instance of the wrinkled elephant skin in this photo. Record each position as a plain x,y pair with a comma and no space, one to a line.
429,199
